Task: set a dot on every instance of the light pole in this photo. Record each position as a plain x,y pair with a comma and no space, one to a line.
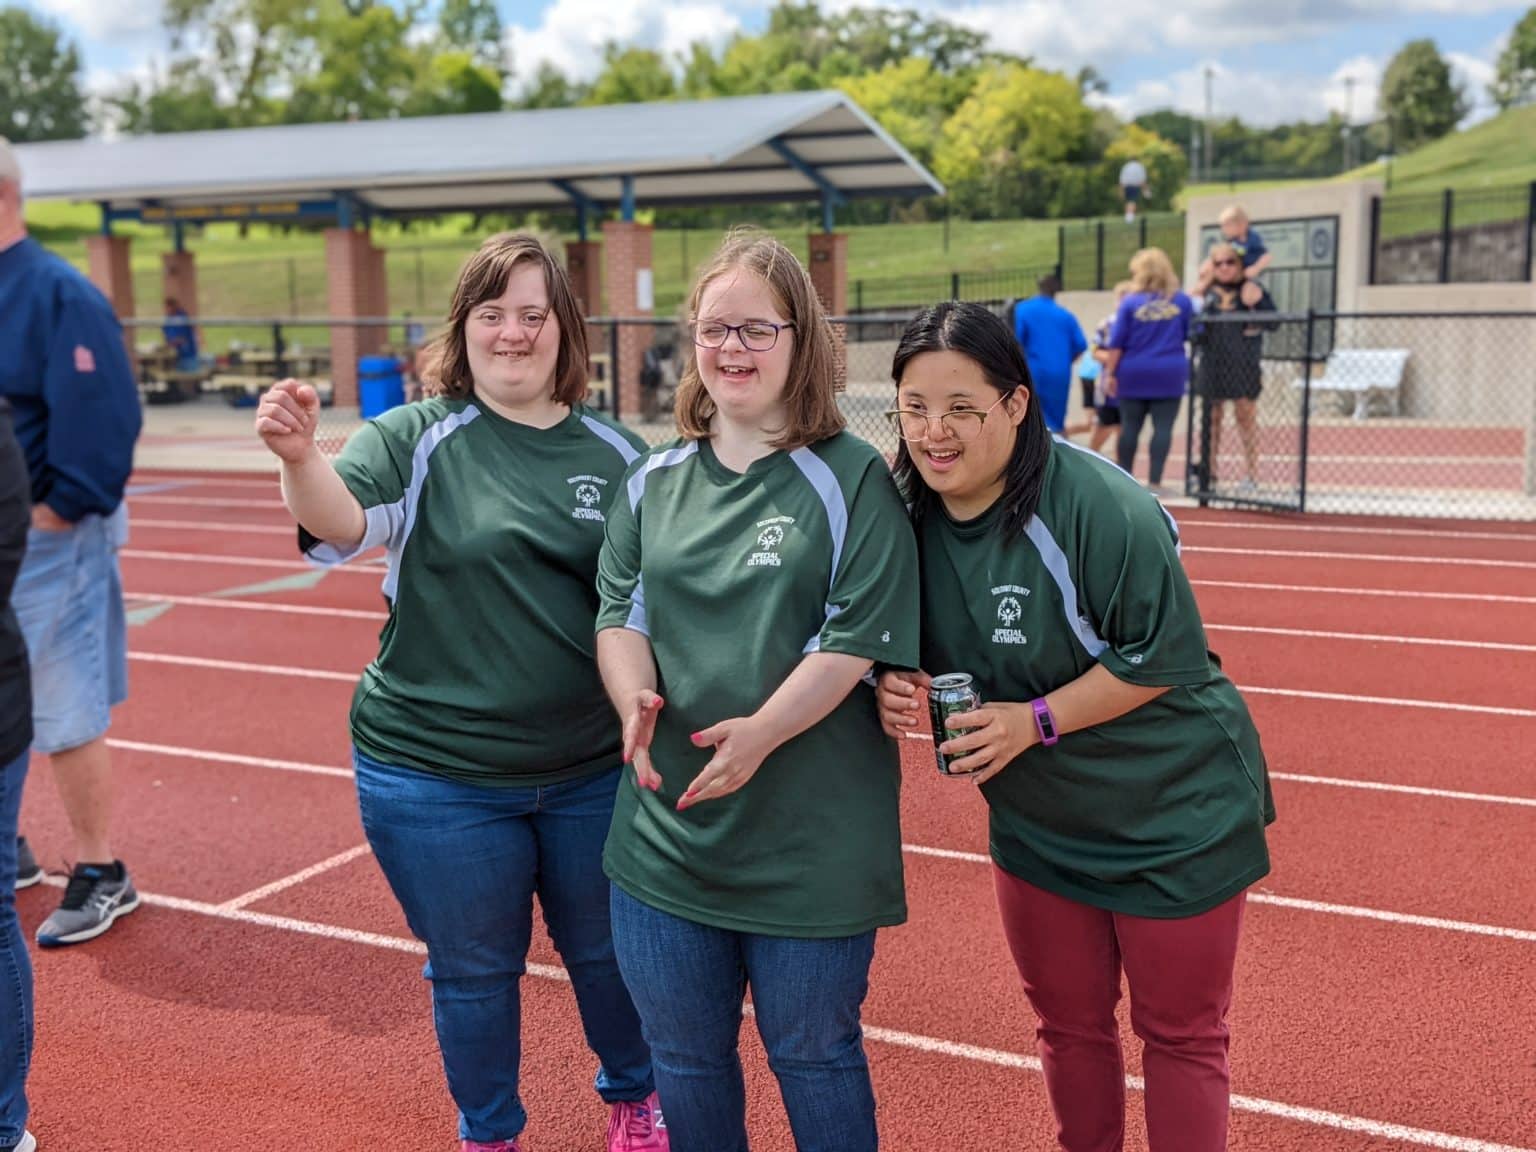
1349,123
1207,156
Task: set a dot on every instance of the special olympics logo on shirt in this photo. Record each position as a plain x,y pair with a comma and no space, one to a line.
770,535
1010,610
588,495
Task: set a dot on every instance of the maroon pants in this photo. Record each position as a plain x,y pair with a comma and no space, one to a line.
1180,974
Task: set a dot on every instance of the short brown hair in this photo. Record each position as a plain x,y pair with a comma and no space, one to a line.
810,394
1152,271
484,277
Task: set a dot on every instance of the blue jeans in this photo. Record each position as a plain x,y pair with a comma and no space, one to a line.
465,862
15,967
688,980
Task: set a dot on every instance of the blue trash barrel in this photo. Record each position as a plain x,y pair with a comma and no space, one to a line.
380,386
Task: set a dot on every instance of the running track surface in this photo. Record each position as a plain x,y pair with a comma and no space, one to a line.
268,994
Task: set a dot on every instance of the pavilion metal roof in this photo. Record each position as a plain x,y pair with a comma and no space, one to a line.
787,146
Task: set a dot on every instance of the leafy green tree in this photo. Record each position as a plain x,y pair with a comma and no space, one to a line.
365,67
447,83
1418,95
632,76
1515,82
183,99
551,88
910,99
40,97
1167,168
473,26
1008,147
252,48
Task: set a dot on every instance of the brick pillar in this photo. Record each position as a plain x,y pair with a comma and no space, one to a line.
107,257
584,264
627,252
829,276
349,285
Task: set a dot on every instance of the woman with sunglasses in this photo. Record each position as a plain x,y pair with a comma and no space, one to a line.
1127,790
754,572
486,753
1229,367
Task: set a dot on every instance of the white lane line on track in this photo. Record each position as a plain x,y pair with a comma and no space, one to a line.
1376,786
1309,528
355,568
256,606
215,526
1317,1117
229,758
1348,910
242,666
211,481
1402,593
351,677
287,882
1376,638
1380,557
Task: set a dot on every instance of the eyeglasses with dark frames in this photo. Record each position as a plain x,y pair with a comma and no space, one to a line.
961,423
755,335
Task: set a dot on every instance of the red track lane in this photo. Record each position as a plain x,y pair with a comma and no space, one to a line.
331,643
1447,550
266,545
1410,854
278,717
204,830
1457,675
1465,620
1346,571
351,587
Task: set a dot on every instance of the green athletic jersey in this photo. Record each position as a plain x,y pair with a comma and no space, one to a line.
486,669
1160,812
735,577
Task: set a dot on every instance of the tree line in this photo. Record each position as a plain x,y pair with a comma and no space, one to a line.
1007,137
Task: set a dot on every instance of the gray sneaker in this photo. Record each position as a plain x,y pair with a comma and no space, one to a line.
93,899
27,1143
28,871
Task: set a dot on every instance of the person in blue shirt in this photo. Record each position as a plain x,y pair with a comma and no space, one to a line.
1052,340
64,368
180,335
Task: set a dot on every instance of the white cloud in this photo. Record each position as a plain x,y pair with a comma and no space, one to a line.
571,33
105,19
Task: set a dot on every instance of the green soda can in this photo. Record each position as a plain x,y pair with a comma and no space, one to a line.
949,695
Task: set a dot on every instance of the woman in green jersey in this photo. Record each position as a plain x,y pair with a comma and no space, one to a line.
754,571
486,753
1127,789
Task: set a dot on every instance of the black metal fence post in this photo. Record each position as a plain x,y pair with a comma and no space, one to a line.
1142,238
954,285
1098,258
1447,207
1306,415
1061,251
279,364
1530,229
1376,236
858,295
613,369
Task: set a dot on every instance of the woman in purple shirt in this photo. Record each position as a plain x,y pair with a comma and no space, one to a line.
1147,367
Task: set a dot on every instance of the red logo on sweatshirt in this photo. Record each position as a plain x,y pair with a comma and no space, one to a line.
84,360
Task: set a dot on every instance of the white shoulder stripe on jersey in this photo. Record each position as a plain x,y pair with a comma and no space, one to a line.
620,445
430,439
636,620
824,481
1061,574
660,460
1178,543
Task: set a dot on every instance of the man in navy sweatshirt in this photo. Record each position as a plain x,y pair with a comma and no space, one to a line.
65,370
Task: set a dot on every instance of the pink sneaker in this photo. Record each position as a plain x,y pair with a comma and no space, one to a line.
494,1146
638,1127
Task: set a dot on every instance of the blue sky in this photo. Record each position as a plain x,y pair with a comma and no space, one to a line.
1291,64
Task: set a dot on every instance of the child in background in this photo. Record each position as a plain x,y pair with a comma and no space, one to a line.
1106,409
1238,232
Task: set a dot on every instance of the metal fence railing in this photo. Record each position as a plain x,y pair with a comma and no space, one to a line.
1480,235
1093,254
1415,414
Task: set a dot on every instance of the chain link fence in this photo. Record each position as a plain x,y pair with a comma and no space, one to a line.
1413,414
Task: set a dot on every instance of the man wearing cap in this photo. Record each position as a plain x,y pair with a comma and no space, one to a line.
65,370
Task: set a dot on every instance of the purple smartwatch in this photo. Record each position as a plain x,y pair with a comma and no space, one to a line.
1044,721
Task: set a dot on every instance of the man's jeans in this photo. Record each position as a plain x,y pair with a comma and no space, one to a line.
465,861
15,967
688,980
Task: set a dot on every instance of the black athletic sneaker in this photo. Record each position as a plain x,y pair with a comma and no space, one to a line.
28,871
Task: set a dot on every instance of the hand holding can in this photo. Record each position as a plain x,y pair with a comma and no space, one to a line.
949,695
